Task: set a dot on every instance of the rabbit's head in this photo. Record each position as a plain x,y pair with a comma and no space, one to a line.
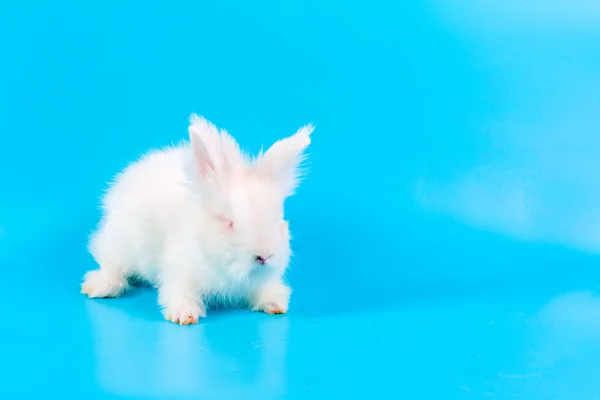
245,198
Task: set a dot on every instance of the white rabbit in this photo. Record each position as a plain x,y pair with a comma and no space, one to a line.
202,223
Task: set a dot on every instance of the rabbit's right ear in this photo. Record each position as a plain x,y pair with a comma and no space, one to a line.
204,138
216,153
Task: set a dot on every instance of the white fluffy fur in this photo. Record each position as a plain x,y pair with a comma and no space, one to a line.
191,220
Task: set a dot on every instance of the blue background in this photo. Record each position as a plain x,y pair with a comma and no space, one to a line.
445,239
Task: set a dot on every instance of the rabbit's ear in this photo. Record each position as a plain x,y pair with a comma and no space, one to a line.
215,152
282,161
204,138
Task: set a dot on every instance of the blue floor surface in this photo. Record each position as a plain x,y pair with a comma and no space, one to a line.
446,238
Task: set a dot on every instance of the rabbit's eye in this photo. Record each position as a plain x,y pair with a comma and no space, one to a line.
227,223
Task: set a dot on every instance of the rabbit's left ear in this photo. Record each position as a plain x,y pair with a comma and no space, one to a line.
282,161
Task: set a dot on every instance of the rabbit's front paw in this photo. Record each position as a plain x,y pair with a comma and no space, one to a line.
273,308
272,298
184,312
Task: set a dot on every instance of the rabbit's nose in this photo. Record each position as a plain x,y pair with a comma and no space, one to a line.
261,260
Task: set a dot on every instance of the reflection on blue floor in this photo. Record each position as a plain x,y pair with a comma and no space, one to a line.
446,238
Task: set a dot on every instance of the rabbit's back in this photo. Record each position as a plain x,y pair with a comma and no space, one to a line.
148,201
